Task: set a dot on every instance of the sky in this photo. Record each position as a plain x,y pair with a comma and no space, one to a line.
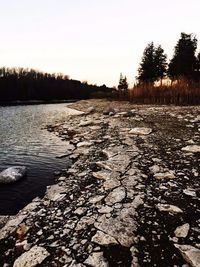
91,40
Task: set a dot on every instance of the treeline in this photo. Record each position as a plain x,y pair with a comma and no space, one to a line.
176,81
20,84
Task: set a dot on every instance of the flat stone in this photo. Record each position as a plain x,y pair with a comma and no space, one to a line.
80,211
54,192
84,222
130,181
165,175
121,227
182,231
85,143
103,239
96,260
140,131
154,169
101,175
117,195
96,199
85,123
90,110
111,183
192,149
189,192
105,209
190,254
31,258
169,208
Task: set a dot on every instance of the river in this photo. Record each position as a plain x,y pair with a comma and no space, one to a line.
23,141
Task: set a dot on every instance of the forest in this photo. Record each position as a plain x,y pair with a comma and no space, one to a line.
20,84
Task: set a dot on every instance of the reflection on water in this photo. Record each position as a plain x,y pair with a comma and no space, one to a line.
23,142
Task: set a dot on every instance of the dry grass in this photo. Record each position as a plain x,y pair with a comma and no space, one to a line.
181,93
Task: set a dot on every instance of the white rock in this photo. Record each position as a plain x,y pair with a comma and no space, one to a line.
189,192
117,195
96,260
12,174
165,175
84,143
140,131
96,199
85,123
105,209
55,192
111,183
190,254
80,210
169,208
122,227
101,175
192,149
90,110
103,239
154,169
182,231
31,258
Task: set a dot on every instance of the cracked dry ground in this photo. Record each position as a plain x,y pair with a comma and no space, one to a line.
130,198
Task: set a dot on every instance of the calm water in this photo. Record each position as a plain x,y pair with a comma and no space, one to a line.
23,142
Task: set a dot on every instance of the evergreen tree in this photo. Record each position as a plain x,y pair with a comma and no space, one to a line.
146,71
160,60
184,61
123,84
153,66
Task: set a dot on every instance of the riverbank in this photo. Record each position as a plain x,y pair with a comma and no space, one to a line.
134,180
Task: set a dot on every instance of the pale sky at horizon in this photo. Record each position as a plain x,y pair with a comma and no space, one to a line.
91,40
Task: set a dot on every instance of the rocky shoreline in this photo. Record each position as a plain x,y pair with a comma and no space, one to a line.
130,198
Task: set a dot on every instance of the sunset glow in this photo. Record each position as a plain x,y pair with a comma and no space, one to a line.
91,40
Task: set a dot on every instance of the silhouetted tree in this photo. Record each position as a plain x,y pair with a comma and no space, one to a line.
184,61
153,66
160,61
123,85
146,71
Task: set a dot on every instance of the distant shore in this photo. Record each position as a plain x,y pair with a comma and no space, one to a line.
36,102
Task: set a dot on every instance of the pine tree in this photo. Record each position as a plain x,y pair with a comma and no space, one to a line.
184,61
160,60
123,85
153,66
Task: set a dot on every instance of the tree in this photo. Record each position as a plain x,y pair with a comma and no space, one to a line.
153,66
123,85
160,61
184,61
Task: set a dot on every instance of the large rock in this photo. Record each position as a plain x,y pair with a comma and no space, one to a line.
12,174
182,231
31,258
140,131
192,149
122,227
96,260
103,239
169,208
190,254
115,196
165,175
